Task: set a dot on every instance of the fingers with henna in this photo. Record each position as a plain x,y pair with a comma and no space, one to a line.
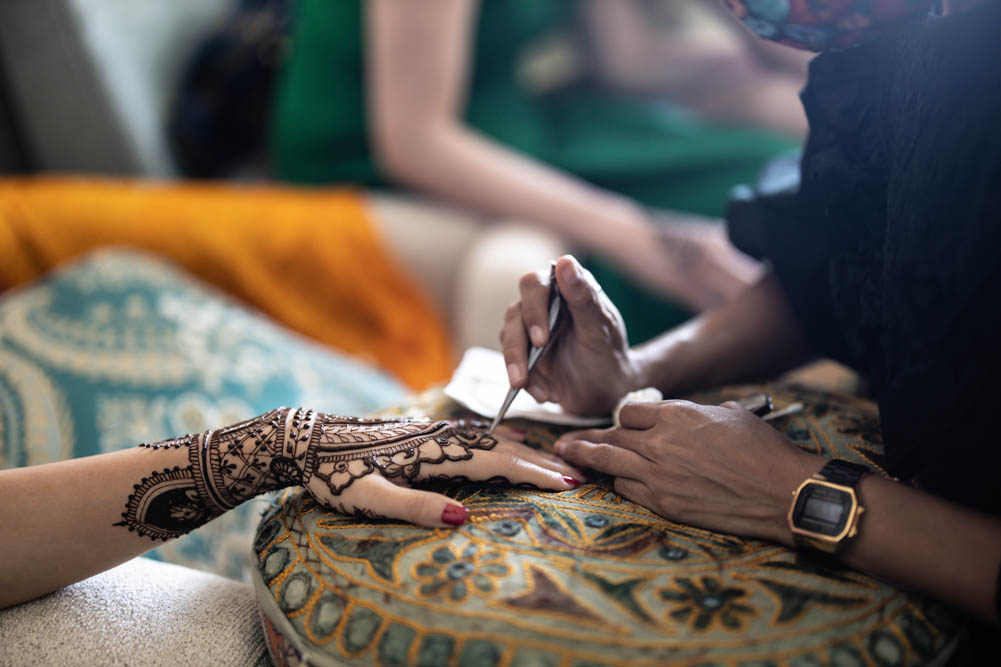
541,459
376,496
490,465
510,433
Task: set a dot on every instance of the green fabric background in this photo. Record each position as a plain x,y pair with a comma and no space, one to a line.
651,151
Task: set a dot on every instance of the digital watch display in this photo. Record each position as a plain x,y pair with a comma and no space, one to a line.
825,510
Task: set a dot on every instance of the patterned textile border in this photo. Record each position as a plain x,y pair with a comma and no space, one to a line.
583,577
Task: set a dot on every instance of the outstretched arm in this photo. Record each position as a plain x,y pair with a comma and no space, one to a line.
418,63
63,522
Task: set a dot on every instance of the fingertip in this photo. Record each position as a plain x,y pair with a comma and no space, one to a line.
454,514
515,375
566,450
537,335
568,271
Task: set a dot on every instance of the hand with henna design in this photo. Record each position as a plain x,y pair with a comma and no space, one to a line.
65,521
369,465
357,466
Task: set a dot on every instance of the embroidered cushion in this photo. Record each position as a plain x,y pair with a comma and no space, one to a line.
582,577
121,348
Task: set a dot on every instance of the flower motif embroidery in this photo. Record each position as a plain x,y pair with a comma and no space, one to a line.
702,606
456,576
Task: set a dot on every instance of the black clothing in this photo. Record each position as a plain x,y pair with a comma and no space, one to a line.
889,251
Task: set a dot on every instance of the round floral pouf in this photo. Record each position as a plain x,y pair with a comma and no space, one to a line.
582,578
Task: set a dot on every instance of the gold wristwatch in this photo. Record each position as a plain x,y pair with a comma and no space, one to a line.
825,510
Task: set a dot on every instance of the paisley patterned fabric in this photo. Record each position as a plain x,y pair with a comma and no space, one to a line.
582,577
817,25
120,348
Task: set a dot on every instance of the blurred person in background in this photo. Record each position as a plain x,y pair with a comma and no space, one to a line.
591,119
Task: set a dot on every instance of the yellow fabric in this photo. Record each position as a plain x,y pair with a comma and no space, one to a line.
310,259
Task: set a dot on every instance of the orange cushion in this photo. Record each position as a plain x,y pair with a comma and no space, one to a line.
309,258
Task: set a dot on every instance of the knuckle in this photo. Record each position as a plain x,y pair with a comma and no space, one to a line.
513,312
419,506
509,346
529,281
601,456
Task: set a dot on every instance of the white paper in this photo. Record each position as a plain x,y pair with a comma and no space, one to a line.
480,384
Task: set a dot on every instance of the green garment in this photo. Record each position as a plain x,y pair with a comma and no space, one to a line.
650,151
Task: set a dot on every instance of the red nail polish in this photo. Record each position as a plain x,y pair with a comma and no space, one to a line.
571,482
454,515
519,432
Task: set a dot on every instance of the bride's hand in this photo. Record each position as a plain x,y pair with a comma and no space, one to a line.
368,466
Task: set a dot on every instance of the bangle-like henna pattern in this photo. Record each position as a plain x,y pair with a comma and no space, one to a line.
283,448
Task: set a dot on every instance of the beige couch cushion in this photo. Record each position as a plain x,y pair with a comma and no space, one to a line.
140,613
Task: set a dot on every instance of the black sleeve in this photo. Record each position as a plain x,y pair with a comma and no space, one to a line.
823,234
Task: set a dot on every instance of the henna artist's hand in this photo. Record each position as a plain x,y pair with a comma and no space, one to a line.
366,466
717,467
589,367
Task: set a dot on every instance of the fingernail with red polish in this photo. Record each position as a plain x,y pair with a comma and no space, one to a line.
571,482
519,432
454,515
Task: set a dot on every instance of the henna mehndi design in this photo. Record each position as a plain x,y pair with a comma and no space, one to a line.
346,450
165,505
283,448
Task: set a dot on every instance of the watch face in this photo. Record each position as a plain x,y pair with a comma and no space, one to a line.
821,509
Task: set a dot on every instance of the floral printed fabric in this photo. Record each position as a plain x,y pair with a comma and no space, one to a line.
817,25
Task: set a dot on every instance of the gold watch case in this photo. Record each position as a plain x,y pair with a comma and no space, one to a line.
822,542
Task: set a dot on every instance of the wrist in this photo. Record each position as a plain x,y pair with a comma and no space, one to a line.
198,477
792,471
664,363
607,227
265,453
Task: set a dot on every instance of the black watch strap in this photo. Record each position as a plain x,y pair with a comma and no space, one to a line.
843,473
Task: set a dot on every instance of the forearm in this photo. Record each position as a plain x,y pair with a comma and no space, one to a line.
59,519
907,537
459,164
924,543
753,336
66,521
